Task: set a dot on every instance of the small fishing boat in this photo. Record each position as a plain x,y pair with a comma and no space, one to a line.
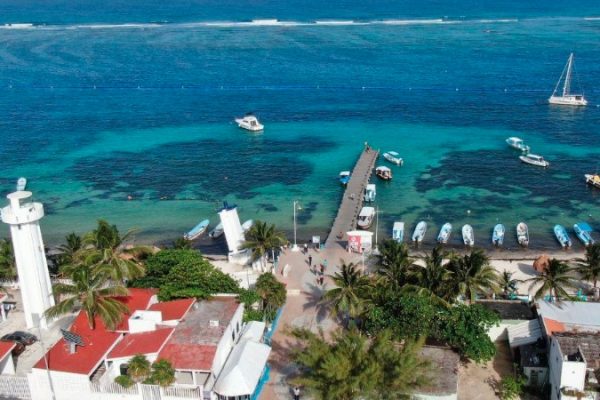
365,217
584,232
247,225
398,231
393,157
344,177
419,232
197,231
566,98
534,159
593,179
444,234
21,184
517,143
250,123
498,235
523,234
384,173
370,192
468,236
216,232
562,236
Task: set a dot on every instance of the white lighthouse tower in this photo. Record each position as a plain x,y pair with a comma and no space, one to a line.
36,290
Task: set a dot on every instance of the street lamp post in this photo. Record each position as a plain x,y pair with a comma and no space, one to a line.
296,206
376,250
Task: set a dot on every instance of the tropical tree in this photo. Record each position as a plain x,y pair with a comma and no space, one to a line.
350,366
91,290
507,283
8,266
432,279
589,267
347,297
73,244
182,244
163,373
394,263
272,294
262,238
139,368
471,274
554,280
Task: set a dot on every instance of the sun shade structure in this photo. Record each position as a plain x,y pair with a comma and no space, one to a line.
243,369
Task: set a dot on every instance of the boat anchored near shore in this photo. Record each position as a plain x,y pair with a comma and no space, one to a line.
21,184
398,231
584,232
562,236
517,143
365,217
523,234
534,159
393,157
383,173
593,179
419,232
468,235
498,235
250,123
197,231
445,232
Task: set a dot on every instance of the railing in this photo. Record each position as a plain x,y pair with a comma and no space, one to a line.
159,393
113,388
14,387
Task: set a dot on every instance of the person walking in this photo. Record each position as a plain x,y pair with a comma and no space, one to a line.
296,393
305,248
309,260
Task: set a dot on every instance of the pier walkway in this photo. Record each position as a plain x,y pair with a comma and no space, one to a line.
353,198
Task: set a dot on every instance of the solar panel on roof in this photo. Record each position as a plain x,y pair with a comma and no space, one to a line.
71,337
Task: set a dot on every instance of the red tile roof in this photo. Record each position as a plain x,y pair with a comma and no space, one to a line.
196,357
141,343
97,342
553,326
6,348
173,310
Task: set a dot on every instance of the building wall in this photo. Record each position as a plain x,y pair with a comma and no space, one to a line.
497,333
7,365
227,341
564,373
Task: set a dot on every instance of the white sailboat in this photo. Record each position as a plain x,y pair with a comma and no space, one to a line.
566,98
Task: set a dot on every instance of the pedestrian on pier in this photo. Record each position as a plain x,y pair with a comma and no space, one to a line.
309,261
296,393
322,269
305,248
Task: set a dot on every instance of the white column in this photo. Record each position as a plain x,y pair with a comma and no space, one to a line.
28,245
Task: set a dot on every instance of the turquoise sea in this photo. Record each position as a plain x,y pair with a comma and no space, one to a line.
101,104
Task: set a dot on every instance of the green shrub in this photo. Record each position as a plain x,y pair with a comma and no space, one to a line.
125,381
511,387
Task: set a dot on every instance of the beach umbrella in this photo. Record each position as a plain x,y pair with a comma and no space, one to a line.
541,263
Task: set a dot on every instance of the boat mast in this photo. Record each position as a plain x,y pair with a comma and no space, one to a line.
567,86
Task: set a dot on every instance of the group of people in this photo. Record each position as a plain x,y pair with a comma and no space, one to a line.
319,271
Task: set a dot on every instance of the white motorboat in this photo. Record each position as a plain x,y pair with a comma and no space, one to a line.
566,98
393,157
383,173
419,232
344,177
370,192
517,143
247,225
365,217
498,235
523,234
583,230
21,184
250,123
217,232
398,231
534,159
468,235
593,179
197,231
445,232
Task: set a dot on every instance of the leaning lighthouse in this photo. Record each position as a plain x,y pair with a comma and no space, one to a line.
23,216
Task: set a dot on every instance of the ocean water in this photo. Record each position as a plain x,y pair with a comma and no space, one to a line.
126,112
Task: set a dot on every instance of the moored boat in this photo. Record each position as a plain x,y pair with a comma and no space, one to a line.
250,123
383,173
566,98
21,184
370,192
365,217
247,225
468,235
584,232
562,236
593,179
393,157
445,232
197,231
398,231
534,159
216,232
498,235
344,177
523,234
517,143
419,232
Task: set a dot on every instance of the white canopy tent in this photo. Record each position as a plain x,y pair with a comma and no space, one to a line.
243,369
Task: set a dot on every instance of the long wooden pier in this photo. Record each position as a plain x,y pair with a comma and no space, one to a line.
353,198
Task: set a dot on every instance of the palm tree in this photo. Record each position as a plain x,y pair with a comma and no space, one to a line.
262,238
347,298
432,279
554,280
163,373
73,244
589,267
8,266
394,263
471,274
90,290
507,283
138,368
